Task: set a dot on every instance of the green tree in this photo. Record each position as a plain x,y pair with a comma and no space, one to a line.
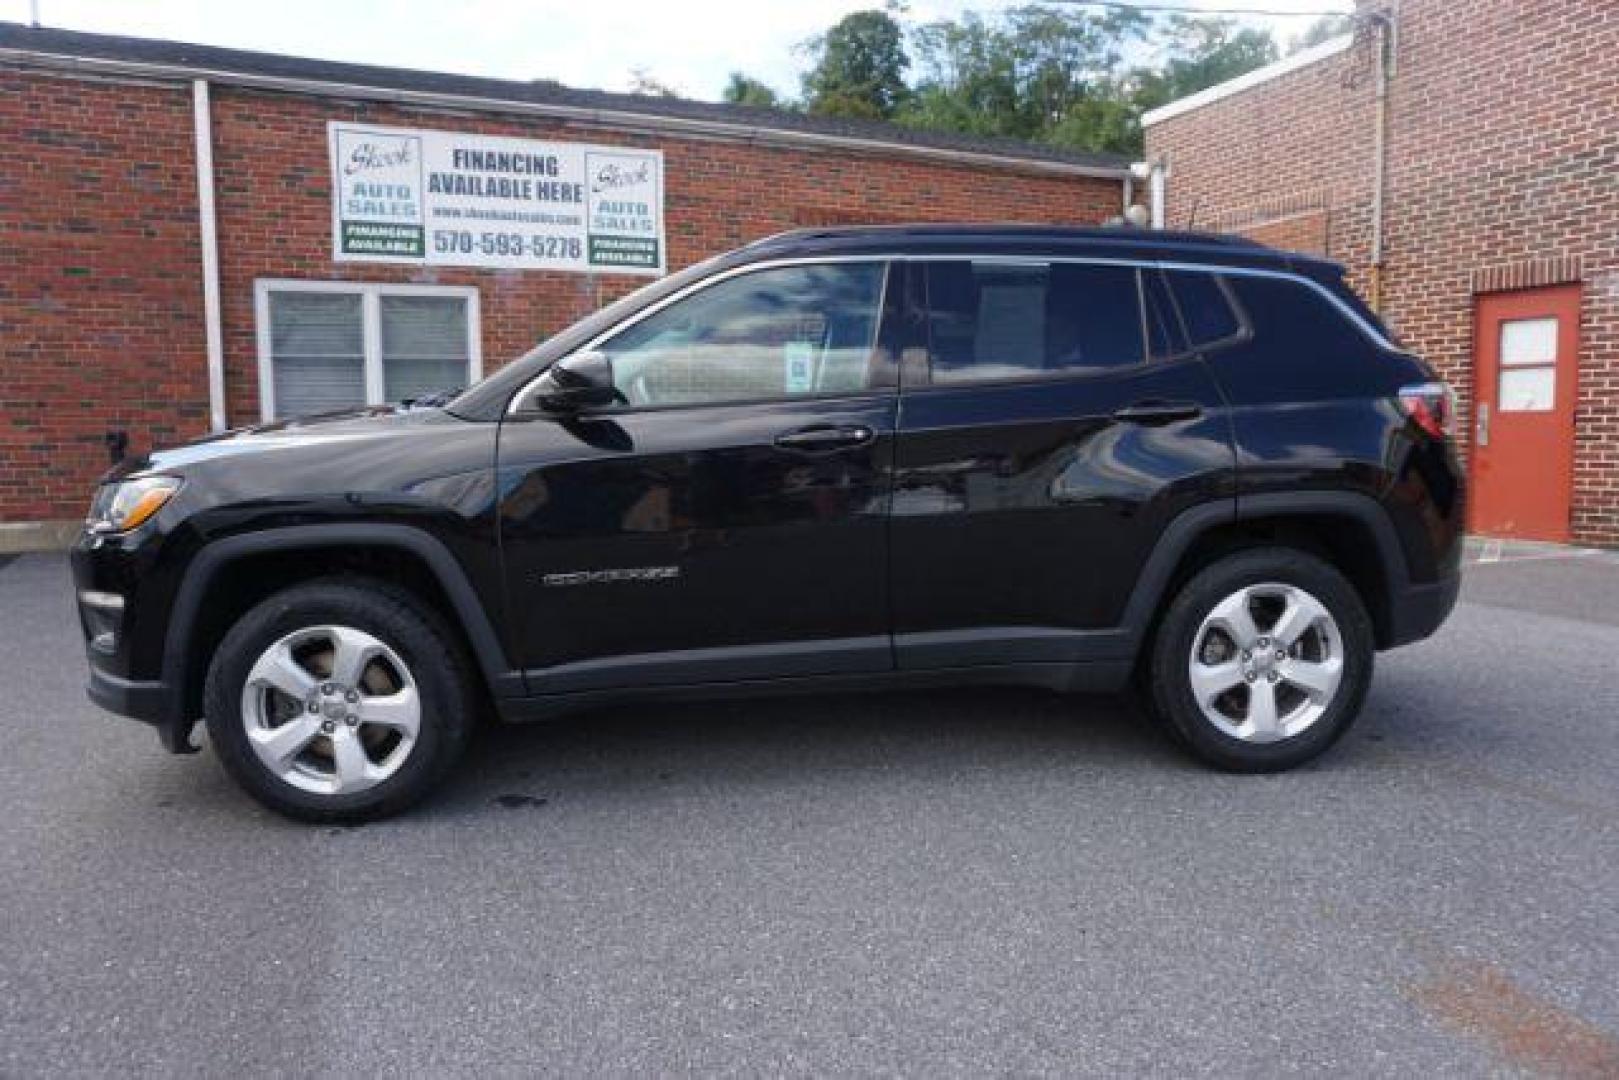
1200,54
1033,73
857,68
1072,76
745,90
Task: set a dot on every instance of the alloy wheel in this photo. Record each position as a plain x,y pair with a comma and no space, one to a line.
1266,663
331,710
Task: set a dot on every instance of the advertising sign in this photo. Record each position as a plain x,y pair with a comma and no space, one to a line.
442,199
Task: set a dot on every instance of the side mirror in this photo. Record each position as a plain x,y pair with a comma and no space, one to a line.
581,381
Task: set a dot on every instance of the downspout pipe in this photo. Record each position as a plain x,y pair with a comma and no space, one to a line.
1156,192
1385,31
1154,172
203,131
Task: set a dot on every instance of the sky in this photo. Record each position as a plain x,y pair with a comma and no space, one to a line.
688,45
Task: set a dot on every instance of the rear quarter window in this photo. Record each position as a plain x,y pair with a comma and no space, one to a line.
1293,314
1207,308
1302,346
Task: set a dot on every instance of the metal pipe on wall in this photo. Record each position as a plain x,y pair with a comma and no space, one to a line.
1156,188
1384,24
203,131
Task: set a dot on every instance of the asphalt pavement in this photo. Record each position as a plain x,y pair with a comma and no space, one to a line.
920,884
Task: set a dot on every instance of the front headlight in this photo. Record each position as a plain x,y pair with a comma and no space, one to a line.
123,506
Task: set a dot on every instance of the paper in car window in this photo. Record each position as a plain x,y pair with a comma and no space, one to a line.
798,364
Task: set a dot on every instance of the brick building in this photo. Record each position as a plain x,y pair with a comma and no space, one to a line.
1499,220
150,292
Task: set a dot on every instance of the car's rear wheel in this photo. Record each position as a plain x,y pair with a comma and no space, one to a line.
338,701
1262,660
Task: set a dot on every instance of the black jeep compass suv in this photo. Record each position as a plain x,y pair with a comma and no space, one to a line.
859,458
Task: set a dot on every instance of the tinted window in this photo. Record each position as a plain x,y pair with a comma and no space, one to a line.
785,332
1205,306
1163,334
1292,315
994,320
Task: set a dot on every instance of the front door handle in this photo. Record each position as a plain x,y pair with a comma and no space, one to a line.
1483,425
1158,412
825,438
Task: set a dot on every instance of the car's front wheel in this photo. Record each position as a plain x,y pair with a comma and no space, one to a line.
338,701
1262,660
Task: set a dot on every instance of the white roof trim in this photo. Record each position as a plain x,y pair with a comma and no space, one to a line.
1303,58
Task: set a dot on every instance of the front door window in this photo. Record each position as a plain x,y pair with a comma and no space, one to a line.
785,332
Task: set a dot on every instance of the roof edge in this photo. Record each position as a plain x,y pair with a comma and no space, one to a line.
1256,77
689,127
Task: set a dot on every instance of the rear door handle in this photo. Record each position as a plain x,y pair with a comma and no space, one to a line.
825,438
1158,412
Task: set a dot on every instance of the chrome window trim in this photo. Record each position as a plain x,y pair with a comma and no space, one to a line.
1371,333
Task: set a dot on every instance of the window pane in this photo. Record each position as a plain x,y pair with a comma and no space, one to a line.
1528,341
1094,317
769,334
317,352
425,348
1532,389
1205,308
315,324
1163,336
1292,318
989,320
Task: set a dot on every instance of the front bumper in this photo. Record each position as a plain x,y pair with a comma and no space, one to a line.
148,702
1419,610
106,576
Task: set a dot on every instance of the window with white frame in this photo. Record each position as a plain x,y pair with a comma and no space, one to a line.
326,345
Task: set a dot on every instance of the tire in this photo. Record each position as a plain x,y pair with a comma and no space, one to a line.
290,738
1211,692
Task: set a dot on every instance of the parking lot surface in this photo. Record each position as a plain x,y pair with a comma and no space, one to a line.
994,881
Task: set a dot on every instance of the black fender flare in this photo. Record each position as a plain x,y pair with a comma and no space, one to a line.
1185,529
215,556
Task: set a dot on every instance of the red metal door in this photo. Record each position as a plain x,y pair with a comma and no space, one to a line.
1526,349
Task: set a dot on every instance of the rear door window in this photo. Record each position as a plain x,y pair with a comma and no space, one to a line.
1164,336
992,321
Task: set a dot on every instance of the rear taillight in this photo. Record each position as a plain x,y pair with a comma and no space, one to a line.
1431,405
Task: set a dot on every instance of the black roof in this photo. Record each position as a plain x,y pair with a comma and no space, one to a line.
71,45
1119,241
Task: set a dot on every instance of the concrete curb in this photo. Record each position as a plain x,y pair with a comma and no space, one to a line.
20,536
1483,549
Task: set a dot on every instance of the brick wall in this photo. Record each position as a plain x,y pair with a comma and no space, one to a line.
1503,172
100,284
101,320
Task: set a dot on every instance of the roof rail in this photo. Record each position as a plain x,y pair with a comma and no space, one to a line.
1013,229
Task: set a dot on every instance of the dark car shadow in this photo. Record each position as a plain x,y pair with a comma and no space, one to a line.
632,751
634,757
